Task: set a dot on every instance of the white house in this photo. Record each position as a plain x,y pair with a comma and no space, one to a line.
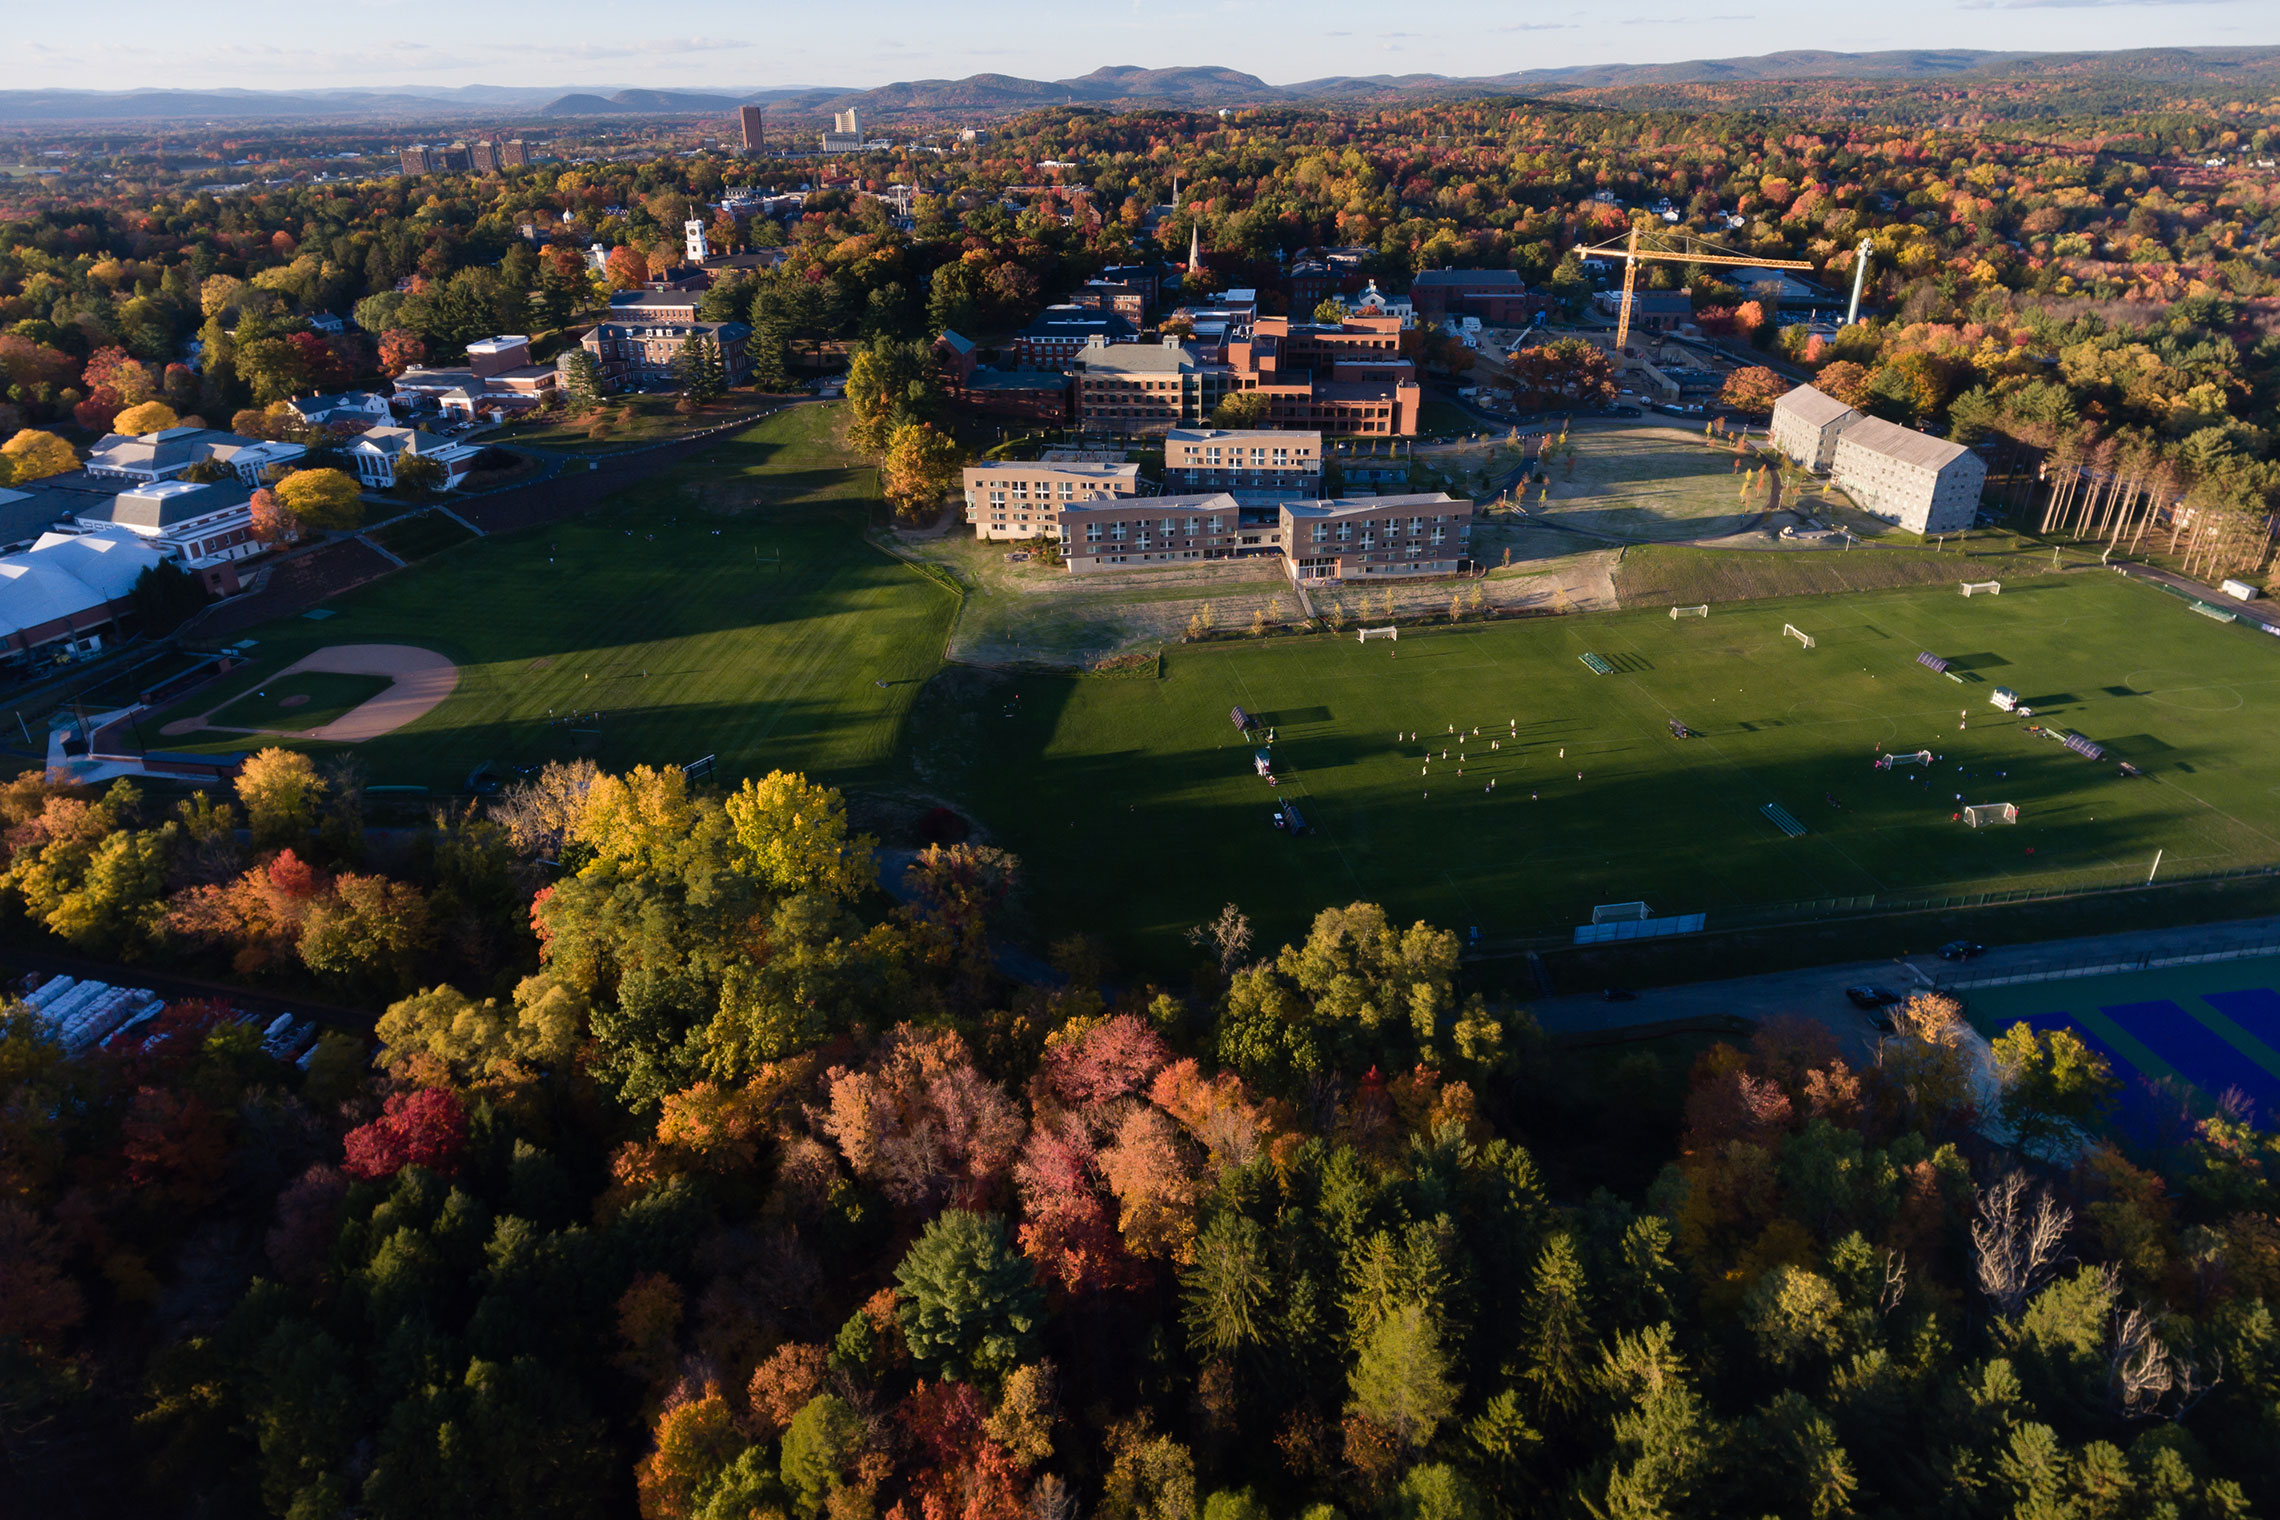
1376,303
139,459
376,454
204,528
360,409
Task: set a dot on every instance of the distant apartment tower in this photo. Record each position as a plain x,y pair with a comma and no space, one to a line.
483,157
846,134
416,160
514,153
752,126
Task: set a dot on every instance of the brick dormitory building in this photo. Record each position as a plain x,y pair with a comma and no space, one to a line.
1390,536
1343,377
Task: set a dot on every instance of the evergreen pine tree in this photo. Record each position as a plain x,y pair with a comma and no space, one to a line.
1556,1351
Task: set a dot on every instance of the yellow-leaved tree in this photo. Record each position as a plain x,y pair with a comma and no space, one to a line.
324,500
921,467
34,455
149,417
793,836
280,789
635,818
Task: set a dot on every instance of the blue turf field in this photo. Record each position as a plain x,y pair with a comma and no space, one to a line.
2214,1027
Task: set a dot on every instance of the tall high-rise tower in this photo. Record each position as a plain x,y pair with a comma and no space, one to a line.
753,123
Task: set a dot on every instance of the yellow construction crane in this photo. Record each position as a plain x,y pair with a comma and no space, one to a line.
1631,253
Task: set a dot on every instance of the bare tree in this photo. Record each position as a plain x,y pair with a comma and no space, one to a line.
1895,1283
1052,1499
1229,934
537,814
2018,1238
2144,1378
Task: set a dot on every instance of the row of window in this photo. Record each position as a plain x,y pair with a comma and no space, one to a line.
1115,531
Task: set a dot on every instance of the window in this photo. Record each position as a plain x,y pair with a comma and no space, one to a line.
1117,532
1215,524
1092,533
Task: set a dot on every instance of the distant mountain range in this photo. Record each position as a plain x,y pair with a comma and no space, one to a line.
1193,88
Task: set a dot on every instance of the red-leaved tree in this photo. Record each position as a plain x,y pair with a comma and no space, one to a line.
425,1128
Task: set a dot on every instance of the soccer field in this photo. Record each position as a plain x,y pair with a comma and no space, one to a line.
1135,802
760,635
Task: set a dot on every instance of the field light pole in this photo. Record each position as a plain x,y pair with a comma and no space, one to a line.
2156,866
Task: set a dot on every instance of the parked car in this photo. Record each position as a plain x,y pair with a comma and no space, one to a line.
1961,950
1617,995
1869,999
1623,411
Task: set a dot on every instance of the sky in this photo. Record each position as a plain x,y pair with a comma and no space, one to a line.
740,45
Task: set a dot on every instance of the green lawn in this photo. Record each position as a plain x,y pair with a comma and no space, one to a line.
419,535
759,634
306,699
1663,574
1134,803
629,422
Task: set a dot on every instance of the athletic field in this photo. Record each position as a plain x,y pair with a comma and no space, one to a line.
659,630
1136,802
2213,1027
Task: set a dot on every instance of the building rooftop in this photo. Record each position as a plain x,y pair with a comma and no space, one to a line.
1507,278
1016,380
1346,506
64,575
1078,322
1167,358
1238,435
169,448
155,508
1816,408
1081,469
1903,444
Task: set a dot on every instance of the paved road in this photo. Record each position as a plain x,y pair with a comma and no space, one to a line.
1820,992
2263,613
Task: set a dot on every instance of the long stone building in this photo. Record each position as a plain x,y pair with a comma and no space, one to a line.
1806,425
1920,483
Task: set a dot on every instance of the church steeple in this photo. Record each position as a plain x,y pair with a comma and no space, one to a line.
1195,248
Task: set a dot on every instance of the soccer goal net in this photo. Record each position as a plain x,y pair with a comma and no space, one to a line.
1792,631
1982,588
1678,612
1979,814
1364,635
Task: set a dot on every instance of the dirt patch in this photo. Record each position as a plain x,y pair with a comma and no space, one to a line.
298,700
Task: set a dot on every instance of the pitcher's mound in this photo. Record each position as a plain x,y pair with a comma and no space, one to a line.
298,699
